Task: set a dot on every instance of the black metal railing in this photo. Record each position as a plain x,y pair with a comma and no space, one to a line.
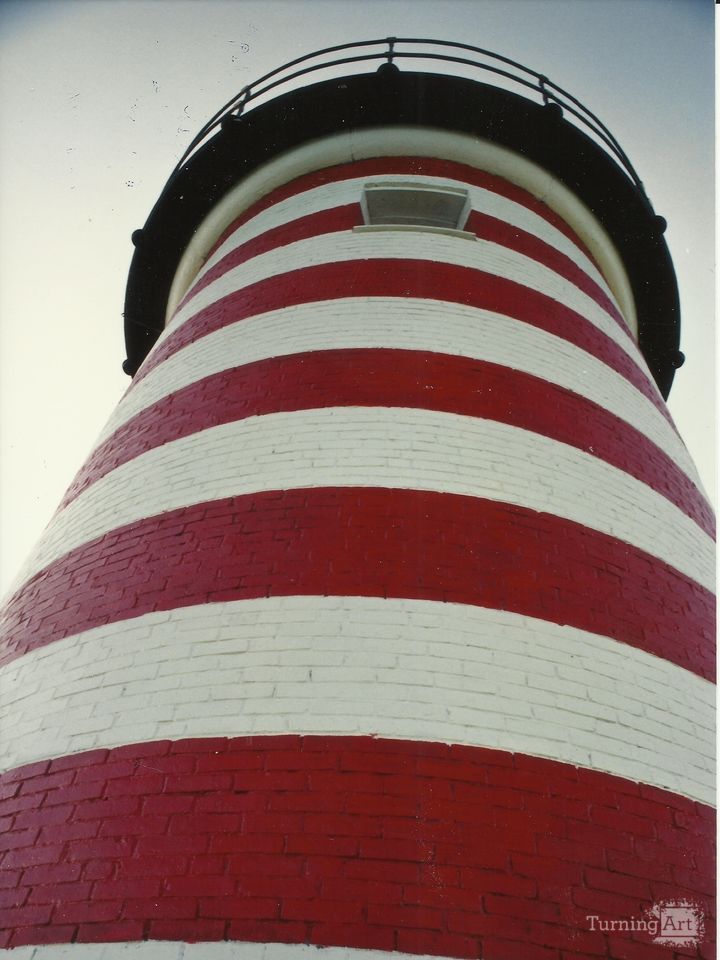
491,63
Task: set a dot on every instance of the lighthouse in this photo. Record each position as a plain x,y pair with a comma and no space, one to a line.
379,620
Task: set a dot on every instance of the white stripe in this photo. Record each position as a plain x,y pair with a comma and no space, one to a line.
342,192
405,324
383,447
212,950
409,669
346,246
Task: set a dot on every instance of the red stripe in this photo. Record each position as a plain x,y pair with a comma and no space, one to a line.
312,225
346,841
400,278
506,235
413,166
365,541
397,378
346,217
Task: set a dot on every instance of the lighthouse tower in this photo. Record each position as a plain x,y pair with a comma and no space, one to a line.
379,619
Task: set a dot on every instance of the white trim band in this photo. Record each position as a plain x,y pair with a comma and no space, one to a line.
408,141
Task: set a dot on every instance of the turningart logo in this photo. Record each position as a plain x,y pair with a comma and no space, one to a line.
672,923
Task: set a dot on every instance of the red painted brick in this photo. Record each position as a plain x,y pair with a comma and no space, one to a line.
31,856
16,897
65,892
443,572
284,780
170,845
336,911
134,786
26,916
9,879
108,770
160,908
581,833
232,760
49,933
475,923
267,931
230,908
26,773
139,752
97,869
53,781
352,935
240,843
121,889
165,805
168,865
607,904
116,932
623,822
18,839
443,944
190,931
524,908
297,888
15,804
482,881
198,886
635,887
75,794
198,782
292,760
317,883
97,911
211,823
106,809
133,826
93,849
414,850
377,890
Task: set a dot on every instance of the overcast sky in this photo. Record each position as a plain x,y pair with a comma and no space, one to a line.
99,98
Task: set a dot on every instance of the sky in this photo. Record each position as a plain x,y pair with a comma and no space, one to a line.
99,98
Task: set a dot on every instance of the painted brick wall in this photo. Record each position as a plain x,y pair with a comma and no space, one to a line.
380,617
381,844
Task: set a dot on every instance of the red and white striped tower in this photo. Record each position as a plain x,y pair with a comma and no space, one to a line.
379,619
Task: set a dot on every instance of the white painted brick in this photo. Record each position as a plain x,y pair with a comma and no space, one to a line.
347,246
257,689
230,460
396,323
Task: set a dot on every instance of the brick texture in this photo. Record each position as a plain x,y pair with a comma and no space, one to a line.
414,166
474,534
402,277
420,870
348,216
371,542
397,378
405,669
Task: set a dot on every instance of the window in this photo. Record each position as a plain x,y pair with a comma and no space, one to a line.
415,205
